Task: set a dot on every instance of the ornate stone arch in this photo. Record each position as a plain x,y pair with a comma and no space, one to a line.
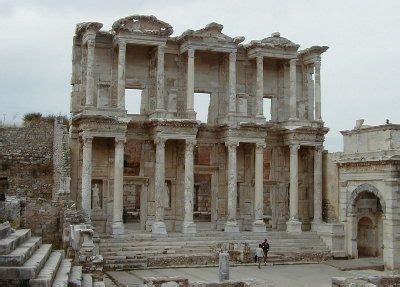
365,187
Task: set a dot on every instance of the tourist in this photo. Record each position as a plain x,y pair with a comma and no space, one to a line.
259,255
265,248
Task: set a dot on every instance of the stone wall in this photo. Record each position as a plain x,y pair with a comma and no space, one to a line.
330,187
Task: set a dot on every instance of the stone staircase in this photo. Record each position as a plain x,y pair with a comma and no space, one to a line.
25,260
143,250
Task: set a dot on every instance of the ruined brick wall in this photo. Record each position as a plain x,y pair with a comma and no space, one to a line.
26,159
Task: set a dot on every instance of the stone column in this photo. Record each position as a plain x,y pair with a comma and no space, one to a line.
292,90
310,92
260,85
231,224
188,224
232,82
317,65
294,225
160,78
190,81
259,225
121,75
118,226
159,224
89,72
86,199
317,187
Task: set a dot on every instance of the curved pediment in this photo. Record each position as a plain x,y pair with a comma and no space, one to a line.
87,26
143,24
212,31
274,42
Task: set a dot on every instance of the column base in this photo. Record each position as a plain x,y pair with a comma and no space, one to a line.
259,226
293,226
117,228
231,226
188,227
159,228
315,225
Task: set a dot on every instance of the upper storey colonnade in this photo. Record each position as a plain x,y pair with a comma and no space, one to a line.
246,73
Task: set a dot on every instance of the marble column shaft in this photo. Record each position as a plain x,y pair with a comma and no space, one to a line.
310,92
89,72
160,77
121,75
232,181
318,184
86,199
188,224
294,183
292,90
118,226
190,81
160,179
232,82
260,85
317,65
258,189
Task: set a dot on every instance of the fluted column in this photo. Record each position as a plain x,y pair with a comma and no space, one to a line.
121,75
89,72
292,90
232,82
294,225
231,223
317,65
160,78
86,177
259,225
188,224
159,225
190,81
118,226
317,185
260,85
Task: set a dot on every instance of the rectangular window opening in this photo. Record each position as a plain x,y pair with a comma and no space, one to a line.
267,105
201,106
133,100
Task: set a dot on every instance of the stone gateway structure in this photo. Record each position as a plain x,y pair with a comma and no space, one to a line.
161,170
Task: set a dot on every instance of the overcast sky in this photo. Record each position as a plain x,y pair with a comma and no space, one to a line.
360,72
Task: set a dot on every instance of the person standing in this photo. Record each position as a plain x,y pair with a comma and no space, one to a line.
259,255
265,248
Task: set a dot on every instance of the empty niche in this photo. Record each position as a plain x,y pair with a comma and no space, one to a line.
201,106
133,99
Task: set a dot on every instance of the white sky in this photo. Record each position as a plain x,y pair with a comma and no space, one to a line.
360,72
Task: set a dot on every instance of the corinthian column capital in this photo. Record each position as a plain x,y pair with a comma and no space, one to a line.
160,141
294,147
260,147
231,144
189,144
190,53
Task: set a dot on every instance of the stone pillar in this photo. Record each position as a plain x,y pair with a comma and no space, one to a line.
118,226
317,186
259,225
121,75
292,90
260,85
160,78
232,82
188,224
294,225
190,81
89,72
159,224
231,224
86,199
317,65
310,92
352,235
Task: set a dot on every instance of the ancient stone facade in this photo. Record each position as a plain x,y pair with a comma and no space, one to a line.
169,172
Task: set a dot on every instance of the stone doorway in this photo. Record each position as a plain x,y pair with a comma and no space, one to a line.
366,238
202,198
135,202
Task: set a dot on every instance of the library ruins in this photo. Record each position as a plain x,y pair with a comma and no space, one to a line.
136,162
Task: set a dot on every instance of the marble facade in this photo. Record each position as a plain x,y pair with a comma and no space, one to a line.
242,153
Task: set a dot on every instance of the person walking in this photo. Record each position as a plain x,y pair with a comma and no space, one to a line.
259,255
265,248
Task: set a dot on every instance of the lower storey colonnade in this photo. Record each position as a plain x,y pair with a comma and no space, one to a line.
188,224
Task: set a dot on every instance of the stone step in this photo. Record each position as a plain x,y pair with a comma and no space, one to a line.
20,254
75,279
63,274
87,280
9,243
47,274
5,230
30,268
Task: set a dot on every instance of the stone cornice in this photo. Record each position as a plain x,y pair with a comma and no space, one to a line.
367,129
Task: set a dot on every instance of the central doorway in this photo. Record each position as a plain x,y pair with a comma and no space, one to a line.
367,243
202,198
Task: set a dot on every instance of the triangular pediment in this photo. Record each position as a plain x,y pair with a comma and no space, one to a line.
142,24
